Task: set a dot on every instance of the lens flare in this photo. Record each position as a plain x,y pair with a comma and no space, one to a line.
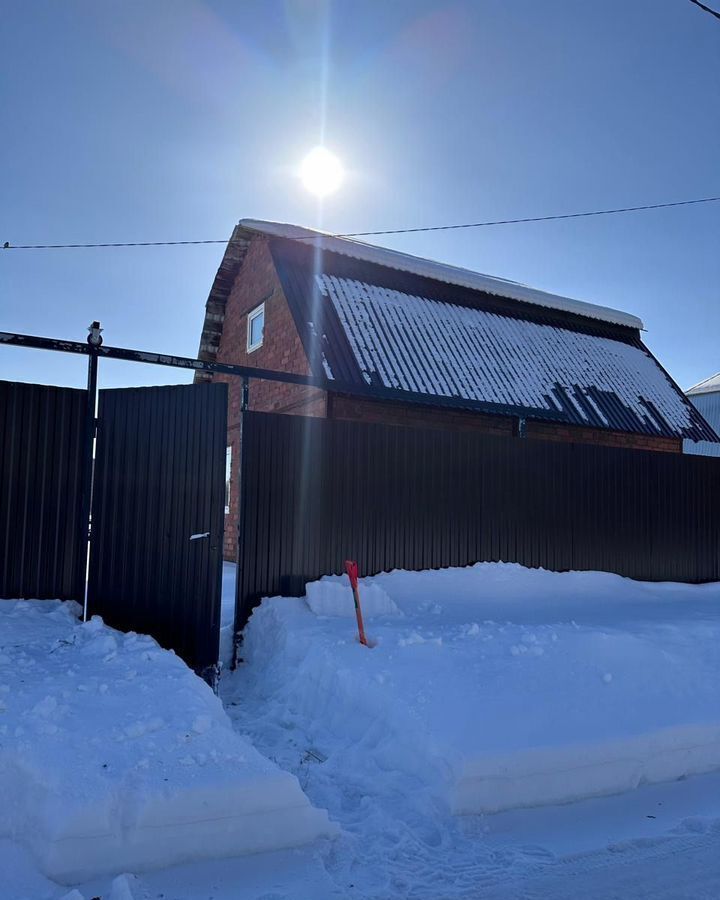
321,172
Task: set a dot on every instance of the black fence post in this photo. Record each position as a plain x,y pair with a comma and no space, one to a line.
245,402
240,530
94,340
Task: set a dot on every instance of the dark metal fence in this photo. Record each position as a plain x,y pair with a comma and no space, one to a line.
41,479
315,492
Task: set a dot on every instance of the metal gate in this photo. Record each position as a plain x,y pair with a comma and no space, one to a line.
157,515
41,486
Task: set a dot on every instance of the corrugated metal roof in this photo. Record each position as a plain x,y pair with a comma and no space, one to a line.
708,386
421,345
417,337
427,268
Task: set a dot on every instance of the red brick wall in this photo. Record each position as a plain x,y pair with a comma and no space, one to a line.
389,413
341,406
548,431
281,351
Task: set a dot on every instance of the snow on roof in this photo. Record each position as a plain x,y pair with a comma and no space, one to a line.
708,386
440,349
441,272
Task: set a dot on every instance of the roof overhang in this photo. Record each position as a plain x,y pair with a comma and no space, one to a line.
437,271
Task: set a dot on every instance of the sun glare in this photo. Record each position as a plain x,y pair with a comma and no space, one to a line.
321,172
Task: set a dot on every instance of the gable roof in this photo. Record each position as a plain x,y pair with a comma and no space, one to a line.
383,324
708,386
437,271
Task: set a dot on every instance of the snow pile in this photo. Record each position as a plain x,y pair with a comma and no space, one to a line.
115,757
332,596
502,687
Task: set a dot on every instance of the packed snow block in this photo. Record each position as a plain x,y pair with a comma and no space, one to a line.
497,686
332,596
115,757
542,776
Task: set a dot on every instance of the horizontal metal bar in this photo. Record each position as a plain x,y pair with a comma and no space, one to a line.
373,392
157,359
201,365
10,339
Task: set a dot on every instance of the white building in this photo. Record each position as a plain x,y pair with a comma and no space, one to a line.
705,396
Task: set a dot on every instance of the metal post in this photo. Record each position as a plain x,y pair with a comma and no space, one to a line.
239,532
94,340
245,402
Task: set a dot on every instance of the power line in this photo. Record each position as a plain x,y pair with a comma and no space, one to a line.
580,215
706,8
355,234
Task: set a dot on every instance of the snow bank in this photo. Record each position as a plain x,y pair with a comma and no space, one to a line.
115,757
332,596
503,687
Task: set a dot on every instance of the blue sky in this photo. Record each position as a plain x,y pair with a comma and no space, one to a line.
172,119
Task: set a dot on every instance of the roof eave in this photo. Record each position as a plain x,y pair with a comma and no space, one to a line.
230,265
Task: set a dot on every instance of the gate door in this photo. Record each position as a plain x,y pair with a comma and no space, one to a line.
41,488
158,516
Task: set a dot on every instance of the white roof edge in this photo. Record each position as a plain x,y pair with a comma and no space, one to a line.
709,385
427,268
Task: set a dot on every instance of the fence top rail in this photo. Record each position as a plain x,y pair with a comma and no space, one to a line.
375,392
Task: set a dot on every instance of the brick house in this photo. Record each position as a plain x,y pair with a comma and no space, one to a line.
403,340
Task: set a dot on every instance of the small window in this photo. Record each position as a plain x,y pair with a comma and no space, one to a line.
255,328
228,477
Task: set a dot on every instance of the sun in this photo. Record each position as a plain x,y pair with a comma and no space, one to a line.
321,172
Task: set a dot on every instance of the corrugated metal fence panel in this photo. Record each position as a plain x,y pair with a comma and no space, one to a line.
316,492
41,469
159,479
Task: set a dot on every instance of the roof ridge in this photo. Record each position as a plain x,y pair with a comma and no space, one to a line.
444,272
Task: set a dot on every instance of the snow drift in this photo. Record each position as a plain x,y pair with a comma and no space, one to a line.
503,687
331,596
115,757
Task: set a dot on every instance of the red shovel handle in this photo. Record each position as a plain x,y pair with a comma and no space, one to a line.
352,569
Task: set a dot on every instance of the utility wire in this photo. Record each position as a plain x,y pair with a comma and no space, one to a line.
580,215
355,234
706,8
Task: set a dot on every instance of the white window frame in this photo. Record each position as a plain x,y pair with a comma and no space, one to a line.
254,314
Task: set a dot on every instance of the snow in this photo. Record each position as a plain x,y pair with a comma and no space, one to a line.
332,597
341,730
427,268
114,756
707,386
502,687
431,347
